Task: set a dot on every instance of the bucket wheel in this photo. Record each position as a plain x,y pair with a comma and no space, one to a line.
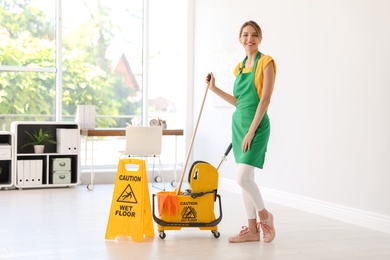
216,233
162,234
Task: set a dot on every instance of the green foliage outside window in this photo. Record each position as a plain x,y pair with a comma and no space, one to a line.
27,39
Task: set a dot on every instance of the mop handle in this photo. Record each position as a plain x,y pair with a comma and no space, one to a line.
191,143
225,154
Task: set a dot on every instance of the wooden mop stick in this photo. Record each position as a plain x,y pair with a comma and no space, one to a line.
191,143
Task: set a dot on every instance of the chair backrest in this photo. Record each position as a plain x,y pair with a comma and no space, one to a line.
143,140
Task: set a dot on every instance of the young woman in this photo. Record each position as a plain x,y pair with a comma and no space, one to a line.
255,77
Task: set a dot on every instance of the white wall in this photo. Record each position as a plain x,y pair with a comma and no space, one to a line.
330,141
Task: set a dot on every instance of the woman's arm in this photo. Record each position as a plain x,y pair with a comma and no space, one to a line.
268,84
210,80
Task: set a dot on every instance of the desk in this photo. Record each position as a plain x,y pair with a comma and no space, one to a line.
121,132
105,132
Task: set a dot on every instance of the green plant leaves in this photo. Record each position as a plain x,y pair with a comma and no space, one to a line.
39,137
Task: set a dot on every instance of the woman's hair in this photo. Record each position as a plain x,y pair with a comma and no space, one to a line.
254,25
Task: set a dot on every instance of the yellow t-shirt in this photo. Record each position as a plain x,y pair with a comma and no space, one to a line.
261,64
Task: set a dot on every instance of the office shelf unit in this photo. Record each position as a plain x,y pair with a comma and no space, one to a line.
35,170
6,160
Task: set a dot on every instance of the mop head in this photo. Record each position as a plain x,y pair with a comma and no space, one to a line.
167,202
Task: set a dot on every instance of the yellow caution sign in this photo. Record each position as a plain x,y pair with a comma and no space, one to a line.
130,213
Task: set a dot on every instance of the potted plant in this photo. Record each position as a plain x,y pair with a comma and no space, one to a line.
38,139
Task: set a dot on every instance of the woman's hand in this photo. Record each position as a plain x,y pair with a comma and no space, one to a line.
210,81
246,143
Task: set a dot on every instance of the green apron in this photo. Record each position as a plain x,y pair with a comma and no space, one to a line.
247,101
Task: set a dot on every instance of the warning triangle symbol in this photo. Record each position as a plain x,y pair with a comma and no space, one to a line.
188,212
127,196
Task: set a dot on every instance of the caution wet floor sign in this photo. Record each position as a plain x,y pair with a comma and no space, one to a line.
130,213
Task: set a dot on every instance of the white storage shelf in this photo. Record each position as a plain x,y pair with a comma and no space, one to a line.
38,170
6,160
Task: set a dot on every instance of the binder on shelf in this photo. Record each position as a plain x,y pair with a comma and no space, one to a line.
35,172
20,173
67,140
26,172
38,172
32,172
85,116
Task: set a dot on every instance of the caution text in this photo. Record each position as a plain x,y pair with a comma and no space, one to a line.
130,178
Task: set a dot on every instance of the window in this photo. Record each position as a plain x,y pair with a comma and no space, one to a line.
101,60
27,60
102,52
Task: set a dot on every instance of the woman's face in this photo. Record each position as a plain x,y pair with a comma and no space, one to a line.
250,39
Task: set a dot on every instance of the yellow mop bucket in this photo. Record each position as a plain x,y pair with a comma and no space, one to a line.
192,208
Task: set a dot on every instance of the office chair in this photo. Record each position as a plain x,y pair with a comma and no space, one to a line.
145,141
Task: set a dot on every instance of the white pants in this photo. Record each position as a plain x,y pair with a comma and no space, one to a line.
250,191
